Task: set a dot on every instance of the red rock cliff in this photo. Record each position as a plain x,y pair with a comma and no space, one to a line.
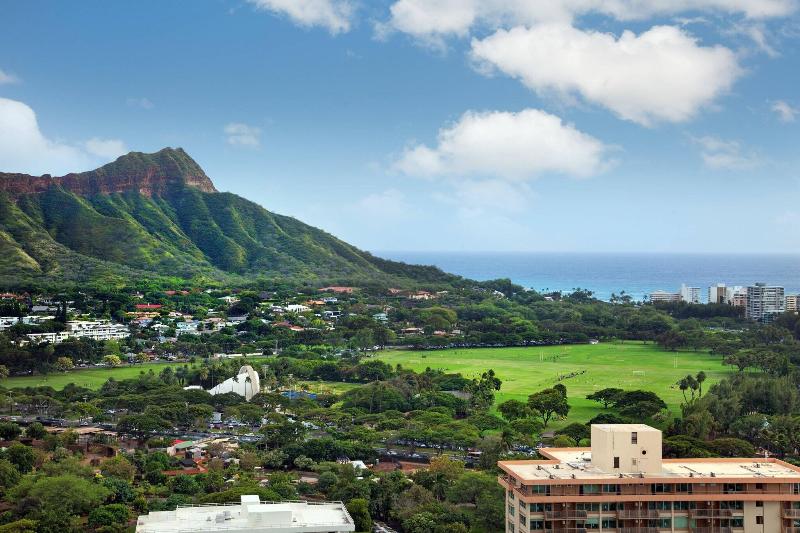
149,174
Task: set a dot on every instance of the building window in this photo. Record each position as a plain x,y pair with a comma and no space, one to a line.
616,462
683,487
590,489
634,437
737,521
611,489
536,525
511,495
522,520
760,520
541,507
540,489
681,506
759,504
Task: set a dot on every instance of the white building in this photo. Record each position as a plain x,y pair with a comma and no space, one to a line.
245,383
690,294
297,308
764,303
251,516
99,330
792,301
663,296
718,294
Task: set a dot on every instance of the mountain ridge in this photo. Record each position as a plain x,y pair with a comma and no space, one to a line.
159,215
146,173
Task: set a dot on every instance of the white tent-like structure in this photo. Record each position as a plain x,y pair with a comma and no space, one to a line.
245,383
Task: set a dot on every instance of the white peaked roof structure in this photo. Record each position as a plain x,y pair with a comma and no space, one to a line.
245,383
251,516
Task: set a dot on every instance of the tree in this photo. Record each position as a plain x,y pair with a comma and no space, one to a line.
420,523
35,431
63,364
21,456
605,396
9,476
112,360
9,430
513,410
548,403
359,511
118,466
66,494
4,373
111,515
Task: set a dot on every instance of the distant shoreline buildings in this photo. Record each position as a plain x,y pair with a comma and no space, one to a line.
761,302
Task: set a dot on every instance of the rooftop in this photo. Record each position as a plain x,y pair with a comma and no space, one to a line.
575,463
250,515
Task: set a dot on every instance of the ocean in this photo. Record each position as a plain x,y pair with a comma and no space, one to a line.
602,273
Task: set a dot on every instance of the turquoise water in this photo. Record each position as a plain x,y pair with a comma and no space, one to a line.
636,274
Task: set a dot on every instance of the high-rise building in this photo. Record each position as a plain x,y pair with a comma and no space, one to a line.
718,294
663,296
792,302
764,302
737,296
622,484
690,294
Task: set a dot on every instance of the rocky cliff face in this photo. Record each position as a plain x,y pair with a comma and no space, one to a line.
148,174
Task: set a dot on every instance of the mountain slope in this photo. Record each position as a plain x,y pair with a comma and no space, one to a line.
159,214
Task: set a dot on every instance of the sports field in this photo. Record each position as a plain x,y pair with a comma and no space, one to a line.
628,365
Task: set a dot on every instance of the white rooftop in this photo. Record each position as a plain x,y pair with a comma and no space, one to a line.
250,516
575,463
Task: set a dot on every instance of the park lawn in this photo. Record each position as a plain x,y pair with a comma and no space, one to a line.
93,378
525,370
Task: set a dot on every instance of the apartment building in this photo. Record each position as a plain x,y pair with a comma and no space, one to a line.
792,301
99,330
623,484
690,294
764,302
663,296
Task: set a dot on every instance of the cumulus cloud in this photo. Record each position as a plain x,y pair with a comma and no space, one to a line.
515,146
662,74
722,154
24,148
785,111
106,148
428,19
7,77
335,15
239,134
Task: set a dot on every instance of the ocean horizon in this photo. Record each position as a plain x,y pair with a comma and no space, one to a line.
638,274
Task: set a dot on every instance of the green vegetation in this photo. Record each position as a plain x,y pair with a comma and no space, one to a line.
629,365
73,232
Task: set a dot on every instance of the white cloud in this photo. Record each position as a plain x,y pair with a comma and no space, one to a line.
721,154
428,19
24,148
390,203
7,78
143,103
785,111
239,134
515,146
659,75
335,15
106,148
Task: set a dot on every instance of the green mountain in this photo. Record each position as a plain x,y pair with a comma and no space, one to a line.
159,215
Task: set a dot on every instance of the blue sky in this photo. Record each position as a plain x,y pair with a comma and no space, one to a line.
567,125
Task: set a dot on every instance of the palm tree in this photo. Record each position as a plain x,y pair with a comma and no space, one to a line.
701,377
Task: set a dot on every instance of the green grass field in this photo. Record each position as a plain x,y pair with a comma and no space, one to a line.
91,378
626,365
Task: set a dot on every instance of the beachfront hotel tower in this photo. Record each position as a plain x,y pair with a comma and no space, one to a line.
623,484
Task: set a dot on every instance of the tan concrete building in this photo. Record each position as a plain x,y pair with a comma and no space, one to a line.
622,484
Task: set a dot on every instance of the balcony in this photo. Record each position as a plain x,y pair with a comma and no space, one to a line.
638,530
712,530
710,513
565,515
791,530
791,513
636,513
